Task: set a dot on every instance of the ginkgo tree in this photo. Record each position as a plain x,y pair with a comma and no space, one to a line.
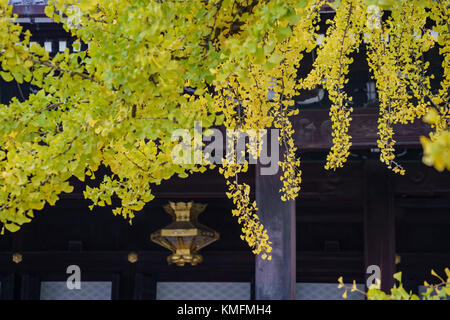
117,103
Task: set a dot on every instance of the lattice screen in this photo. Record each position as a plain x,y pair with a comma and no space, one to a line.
325,291
203,291
422,289
90,290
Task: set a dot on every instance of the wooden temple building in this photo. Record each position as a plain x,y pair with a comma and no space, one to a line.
342,222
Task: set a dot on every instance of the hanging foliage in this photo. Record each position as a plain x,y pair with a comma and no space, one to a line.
440,290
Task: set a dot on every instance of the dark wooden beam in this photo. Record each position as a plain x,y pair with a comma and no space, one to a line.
276,279
329,266
421,181
379,221
313,130
228,265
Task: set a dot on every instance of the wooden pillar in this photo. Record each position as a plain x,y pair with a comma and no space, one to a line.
7,287
30,287
144,287
275,279
379,221
127,282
